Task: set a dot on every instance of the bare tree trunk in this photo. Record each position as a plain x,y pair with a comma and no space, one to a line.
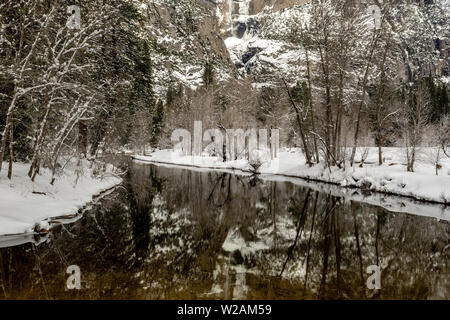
380,104
338,126
3,144
413,159
363,96
41,138
6,130
311,107
328,124
300,125
408,156
322,46
83,137
11,150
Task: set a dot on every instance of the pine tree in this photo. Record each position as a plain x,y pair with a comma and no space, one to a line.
124,74
208,74
157,123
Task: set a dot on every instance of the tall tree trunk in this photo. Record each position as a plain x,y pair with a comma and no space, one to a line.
300,125
338,125
311,107
3,143
363,96
328,125
11,150
380,104
6,130
82,138
42,133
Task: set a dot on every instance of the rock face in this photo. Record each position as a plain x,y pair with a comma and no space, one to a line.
258,5
426,39
233,14
242,23
424,32
235,36
186,34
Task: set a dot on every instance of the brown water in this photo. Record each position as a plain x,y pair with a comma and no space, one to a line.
173,233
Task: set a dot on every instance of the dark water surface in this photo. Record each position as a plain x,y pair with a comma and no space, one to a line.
173,233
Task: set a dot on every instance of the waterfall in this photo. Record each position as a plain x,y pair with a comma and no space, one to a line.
243,11
230,16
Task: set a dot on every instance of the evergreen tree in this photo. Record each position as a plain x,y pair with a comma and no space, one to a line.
208,74
124,74
439,100
157,122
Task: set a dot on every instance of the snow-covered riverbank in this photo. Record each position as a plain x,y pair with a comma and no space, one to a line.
24,203
390,178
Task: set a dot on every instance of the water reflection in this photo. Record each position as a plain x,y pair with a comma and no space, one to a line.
173,233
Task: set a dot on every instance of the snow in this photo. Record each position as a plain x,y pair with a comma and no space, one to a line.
263,49
232,42
394,188
21,209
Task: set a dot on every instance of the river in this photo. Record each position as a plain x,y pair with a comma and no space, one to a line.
176,233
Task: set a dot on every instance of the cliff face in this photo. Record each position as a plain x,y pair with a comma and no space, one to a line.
276,5
246,25
232,13
426,40
243,23
236,35
186,35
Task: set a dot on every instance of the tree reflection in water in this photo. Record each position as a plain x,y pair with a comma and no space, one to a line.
174,233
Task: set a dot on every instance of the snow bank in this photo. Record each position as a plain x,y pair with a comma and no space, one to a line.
23,204
389,179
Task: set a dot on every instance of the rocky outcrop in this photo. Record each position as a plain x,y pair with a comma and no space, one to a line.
422,27
231,13
242,23
233,34
258,5
186,34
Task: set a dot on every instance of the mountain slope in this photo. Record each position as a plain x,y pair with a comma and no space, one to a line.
256,32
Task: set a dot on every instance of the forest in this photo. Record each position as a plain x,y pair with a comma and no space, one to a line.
73,93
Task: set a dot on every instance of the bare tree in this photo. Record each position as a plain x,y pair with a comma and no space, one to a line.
436,136
414,119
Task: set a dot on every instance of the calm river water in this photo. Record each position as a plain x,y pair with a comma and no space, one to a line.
174,233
